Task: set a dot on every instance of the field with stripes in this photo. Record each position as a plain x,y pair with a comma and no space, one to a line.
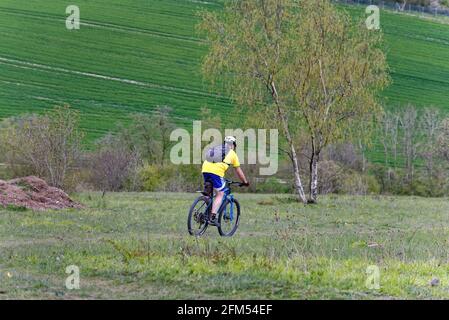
126,57
131,56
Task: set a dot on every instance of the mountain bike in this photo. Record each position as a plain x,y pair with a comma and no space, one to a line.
228,213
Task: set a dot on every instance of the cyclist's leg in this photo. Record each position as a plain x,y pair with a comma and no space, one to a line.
219,185
217,201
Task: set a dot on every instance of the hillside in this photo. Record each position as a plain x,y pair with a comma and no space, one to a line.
131,56
127,58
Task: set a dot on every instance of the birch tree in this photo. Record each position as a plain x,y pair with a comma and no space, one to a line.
248,52
443,140
430,124
336,68
303,63
409,125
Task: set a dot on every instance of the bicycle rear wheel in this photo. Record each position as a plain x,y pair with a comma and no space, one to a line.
197,221
229,218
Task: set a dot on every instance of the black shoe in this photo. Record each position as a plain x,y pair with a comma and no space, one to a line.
213,221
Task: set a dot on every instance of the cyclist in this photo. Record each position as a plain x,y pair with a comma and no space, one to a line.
215,172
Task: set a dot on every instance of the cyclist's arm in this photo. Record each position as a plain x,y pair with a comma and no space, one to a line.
241,175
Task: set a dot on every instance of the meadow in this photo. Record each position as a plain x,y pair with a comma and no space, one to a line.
136,246
130,56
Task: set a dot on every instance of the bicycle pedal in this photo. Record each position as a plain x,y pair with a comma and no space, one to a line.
214,223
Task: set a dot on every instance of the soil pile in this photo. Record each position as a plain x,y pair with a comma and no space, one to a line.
34,193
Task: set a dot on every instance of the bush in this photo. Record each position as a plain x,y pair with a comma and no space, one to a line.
329,173
46,145
373,184
424,185
171,178
78,180
151,177
345,154
352,183
355,183
113,166
273,185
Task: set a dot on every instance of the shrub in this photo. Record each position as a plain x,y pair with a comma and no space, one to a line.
423,184
273,185
78,180
185,178
328,175
113,166
46,146
352,183
373,184
151,177
355,183
345,154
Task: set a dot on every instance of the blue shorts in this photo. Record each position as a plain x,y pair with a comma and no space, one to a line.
217,181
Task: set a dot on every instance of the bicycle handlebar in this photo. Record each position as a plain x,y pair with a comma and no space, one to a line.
230,182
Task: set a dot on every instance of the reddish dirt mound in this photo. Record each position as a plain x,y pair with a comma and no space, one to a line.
34,193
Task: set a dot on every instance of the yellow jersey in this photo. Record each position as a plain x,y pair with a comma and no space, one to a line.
219,168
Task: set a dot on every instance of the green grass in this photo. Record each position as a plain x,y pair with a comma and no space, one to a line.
136,246
150,42
153,44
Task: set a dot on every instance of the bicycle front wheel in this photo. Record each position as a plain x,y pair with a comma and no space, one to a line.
229,218
197,221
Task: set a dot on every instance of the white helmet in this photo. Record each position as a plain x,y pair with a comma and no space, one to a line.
230,140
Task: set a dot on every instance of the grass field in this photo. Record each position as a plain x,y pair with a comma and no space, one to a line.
137,246
130,56
127,57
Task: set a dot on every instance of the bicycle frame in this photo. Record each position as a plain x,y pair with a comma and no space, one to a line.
230,197
227,196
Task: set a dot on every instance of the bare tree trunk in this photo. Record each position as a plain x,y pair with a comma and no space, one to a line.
409,121
314,178
293,155
430,124
294,158
362,151
394,139
298,184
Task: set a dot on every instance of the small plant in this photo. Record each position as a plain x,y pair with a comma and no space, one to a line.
12,207
127,254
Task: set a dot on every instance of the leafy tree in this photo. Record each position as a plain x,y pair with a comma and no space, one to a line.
149,135
248,46
335,69
301,63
